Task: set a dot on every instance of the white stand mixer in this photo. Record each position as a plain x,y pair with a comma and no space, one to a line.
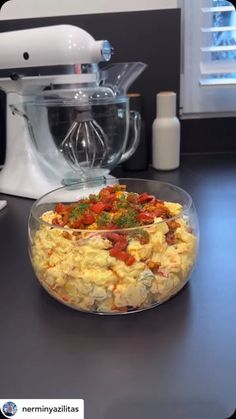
22,174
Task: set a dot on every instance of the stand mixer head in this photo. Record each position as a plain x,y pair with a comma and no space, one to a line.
42,153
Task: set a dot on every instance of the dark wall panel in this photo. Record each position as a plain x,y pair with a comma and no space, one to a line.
208,135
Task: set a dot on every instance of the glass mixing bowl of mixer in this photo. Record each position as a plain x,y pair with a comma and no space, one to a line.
80,132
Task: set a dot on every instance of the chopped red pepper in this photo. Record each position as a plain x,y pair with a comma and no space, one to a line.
122,255
88,219
133,198
145,217
116,237
104,193
143,197
114,252
130,260
98,207
119,247
59,208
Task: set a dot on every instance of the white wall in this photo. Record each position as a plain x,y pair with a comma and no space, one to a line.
16,9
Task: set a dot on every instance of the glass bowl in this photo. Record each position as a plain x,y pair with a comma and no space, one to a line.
118,267
80,134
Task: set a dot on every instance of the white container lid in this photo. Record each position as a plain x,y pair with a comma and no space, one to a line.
166,104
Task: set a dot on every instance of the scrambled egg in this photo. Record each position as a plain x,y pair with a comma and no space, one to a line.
77,268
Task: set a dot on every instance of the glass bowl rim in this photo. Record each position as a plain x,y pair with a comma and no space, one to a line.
101,231
60,102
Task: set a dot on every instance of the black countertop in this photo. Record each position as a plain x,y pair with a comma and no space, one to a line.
175,361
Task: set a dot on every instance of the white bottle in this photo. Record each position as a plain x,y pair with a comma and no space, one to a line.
166,133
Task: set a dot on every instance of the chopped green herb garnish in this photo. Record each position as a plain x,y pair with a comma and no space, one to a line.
79,209
104,219
126,220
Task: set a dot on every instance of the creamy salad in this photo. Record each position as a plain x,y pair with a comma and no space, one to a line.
116,251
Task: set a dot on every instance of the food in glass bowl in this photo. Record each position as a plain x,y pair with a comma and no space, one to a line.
113,246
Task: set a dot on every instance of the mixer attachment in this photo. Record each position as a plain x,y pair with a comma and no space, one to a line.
85,144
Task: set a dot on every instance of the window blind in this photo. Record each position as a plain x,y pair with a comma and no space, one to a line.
218,43
208,76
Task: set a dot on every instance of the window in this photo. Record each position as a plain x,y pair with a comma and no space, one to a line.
208,82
